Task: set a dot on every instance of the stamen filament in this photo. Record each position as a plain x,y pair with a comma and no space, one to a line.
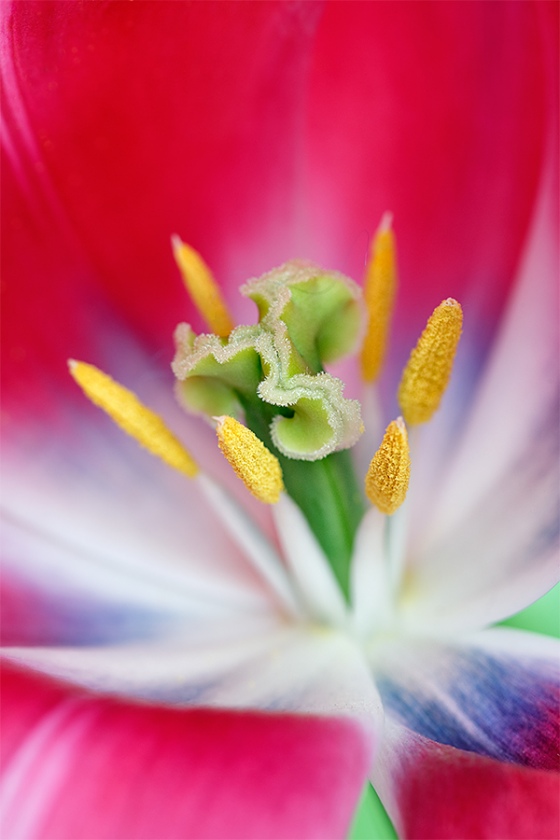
255,465
379,293
138,421
429,367
202,288
255,546
387,478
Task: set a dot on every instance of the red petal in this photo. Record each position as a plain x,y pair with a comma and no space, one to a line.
78,765
441,792
435,111
130,123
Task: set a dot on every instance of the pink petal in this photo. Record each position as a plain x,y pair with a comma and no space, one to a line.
435,111
90,515
79,766
105,541
485,531
227,662
107,157
440,792
127,124
34,613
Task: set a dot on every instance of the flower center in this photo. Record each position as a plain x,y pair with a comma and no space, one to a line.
281,419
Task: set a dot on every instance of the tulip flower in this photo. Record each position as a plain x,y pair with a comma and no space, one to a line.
191,652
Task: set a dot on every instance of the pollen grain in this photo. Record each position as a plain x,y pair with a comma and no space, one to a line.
387,478
202,287
255,465
379,293
140,422
429,367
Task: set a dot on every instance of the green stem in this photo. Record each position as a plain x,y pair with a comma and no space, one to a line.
326,491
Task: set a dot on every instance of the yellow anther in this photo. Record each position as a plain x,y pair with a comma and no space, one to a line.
132,416
429,367
202,287
379,292
387,478
255,465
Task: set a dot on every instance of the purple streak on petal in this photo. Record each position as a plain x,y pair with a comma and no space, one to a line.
504,707
32,615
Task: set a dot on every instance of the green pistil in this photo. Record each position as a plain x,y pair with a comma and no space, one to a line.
326,491
270,375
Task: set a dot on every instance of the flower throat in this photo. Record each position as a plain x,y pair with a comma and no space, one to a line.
282,420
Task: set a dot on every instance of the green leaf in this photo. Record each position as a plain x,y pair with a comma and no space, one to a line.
371,821
541,617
